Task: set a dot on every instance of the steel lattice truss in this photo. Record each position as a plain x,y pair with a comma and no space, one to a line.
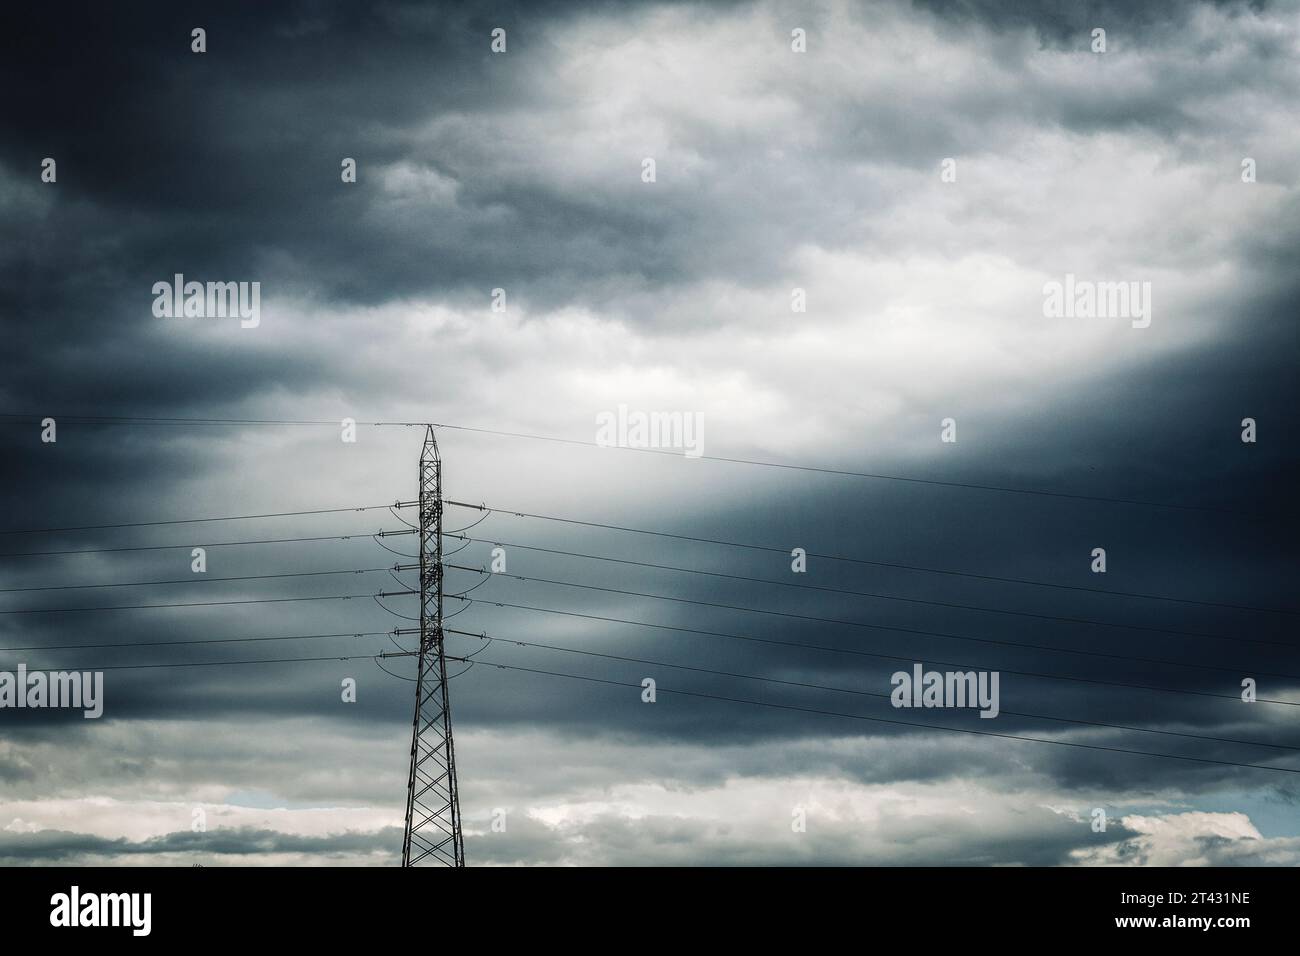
433,833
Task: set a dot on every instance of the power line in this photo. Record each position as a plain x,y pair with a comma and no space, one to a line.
192,544
137,607
409,680
847,690
18,419
827,620
154,524
205,640
276,660
875,476
880,564
968,486
665,690
854,652
869,594
1242,668
660,689
387,609
197,579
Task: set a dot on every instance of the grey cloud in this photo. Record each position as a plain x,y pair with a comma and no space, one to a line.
69,847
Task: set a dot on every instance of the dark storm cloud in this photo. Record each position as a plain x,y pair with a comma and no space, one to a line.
227,163
70,847
210,163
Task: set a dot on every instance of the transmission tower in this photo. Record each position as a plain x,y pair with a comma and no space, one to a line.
432,803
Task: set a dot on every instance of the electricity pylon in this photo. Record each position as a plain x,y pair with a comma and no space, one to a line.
432,802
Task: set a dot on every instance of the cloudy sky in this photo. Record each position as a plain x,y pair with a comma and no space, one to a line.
775,170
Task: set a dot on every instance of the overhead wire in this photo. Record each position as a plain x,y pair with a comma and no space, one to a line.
865,561
156,524
901,629
844,690
856,652
139,607
197,579
185,546
660,689
855,593
22,418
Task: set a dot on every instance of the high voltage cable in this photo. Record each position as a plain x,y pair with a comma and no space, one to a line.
137,607
848,690
409,680
854,652
371,570
660,689
968,486
788,584
273,660
194,544
197,579
639,531
813,618
159,420
684,693
154,524
204,640
870,594
881,564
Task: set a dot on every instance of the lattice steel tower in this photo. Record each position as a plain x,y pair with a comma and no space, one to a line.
433,832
